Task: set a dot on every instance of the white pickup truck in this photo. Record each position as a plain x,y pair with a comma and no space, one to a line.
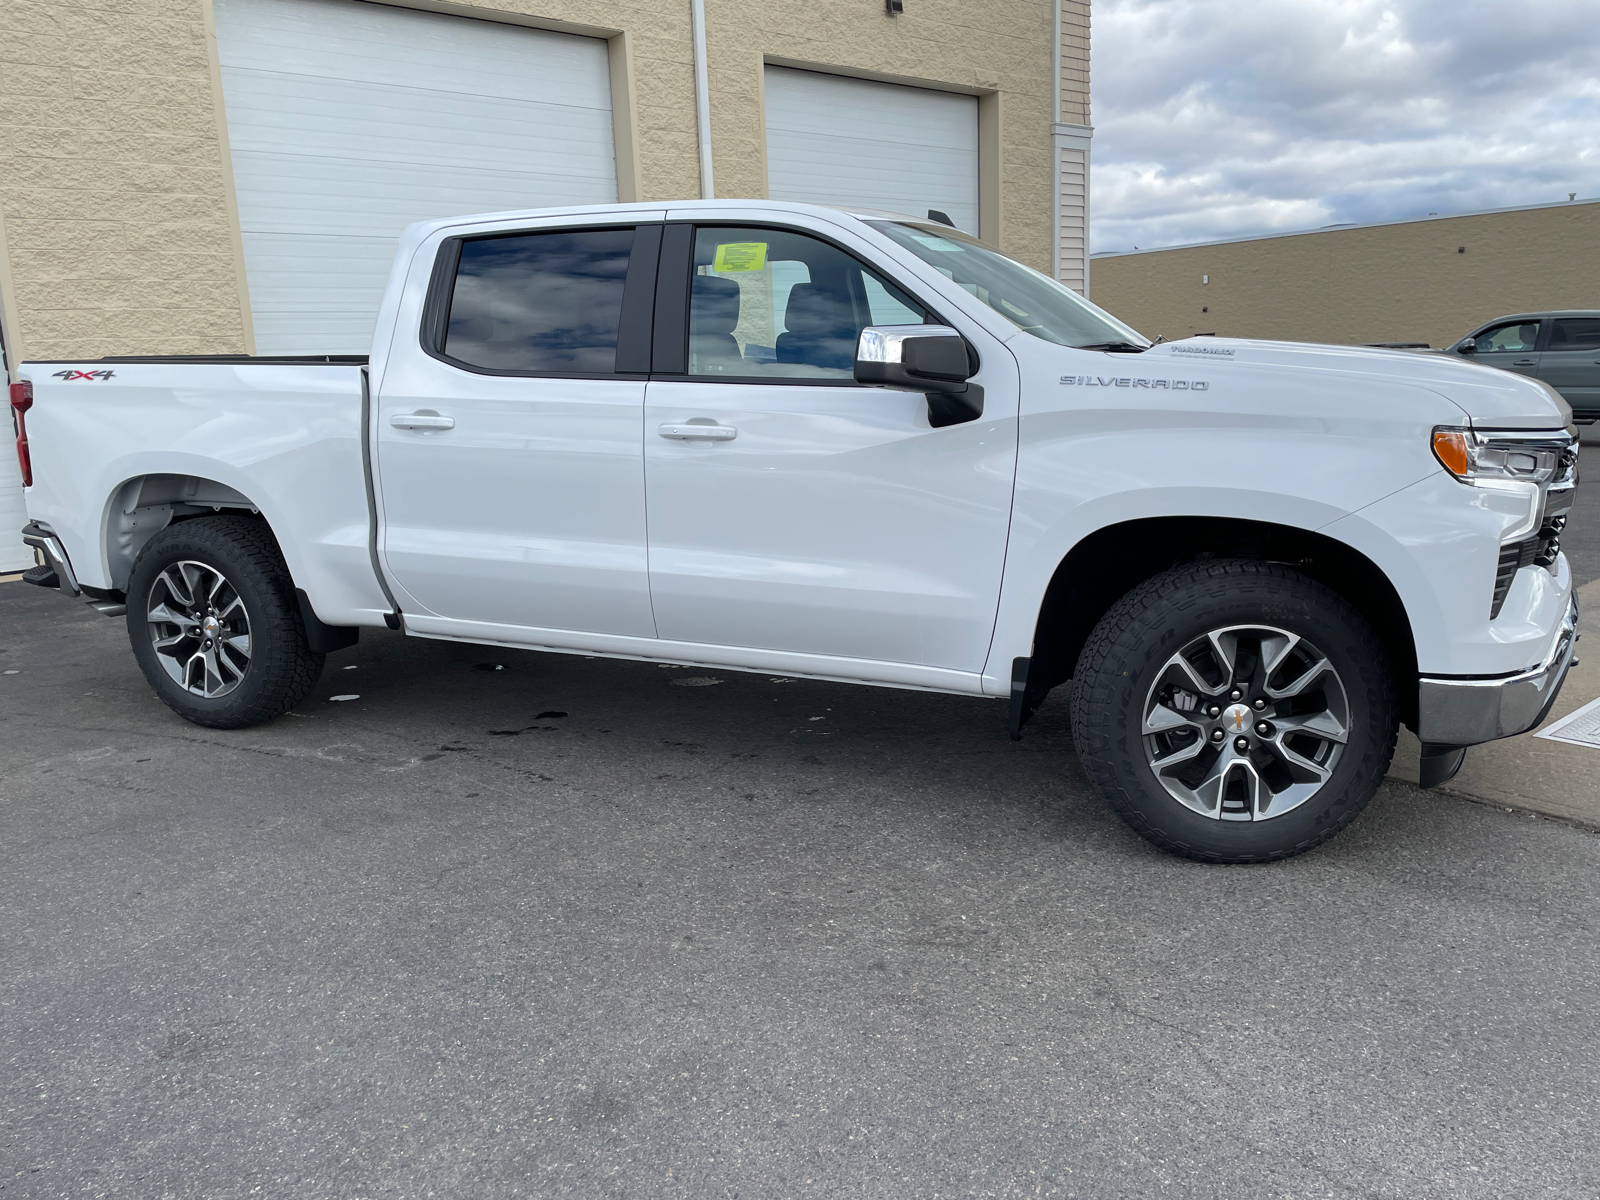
853,446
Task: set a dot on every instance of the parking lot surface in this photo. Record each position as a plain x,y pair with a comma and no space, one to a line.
512,924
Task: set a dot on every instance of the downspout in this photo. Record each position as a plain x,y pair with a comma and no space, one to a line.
702,97
1055,152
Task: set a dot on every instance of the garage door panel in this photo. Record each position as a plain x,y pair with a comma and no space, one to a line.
319,290
14,556
834,140
366,43
867,169
917,115
428,129
348,121
327,196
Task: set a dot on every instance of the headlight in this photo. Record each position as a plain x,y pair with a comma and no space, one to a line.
1496,458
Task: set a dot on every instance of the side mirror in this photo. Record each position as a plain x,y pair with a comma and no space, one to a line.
932,359
1467,346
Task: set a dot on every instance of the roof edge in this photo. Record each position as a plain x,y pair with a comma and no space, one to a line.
1261,237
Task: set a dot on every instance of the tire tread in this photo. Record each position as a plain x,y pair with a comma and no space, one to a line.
288,668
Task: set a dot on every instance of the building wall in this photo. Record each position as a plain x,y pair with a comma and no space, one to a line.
1431,280
118,231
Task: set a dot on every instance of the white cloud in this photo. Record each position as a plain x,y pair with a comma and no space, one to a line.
1224,118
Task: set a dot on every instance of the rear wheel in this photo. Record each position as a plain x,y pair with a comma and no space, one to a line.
215,624
1234,711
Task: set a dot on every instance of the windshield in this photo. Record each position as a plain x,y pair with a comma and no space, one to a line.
1034,303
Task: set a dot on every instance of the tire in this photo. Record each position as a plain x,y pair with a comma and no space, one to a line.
1306,669
251,663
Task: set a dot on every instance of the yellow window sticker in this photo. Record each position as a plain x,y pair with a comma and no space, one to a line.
740,256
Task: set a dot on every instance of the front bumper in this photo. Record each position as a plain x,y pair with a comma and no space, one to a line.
1465,712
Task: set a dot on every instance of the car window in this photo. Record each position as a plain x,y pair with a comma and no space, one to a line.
772,303
1576,333
1518,335
544,303
1033,302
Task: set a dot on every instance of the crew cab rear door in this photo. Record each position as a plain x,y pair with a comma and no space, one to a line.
1570,363
508,444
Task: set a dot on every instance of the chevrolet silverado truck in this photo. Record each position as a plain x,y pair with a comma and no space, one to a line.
850,446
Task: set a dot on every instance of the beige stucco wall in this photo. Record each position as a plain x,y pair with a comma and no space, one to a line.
118,231
1385,283
112,192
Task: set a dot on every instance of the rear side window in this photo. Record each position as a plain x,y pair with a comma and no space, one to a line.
1576,333
543,303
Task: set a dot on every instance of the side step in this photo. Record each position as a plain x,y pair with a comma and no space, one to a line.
42,576
56,572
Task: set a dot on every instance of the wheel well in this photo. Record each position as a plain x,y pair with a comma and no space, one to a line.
146,504
1104,566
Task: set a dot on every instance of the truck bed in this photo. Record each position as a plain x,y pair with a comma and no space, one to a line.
121,445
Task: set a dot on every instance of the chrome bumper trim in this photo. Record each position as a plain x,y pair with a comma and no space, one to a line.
1465,712
55,555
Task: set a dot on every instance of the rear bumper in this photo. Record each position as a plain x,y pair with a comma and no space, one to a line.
44,540
1465,712
54,555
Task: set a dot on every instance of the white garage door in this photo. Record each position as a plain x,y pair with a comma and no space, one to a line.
14,556
348,121
832,140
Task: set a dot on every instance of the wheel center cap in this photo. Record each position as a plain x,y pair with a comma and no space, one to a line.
211,626
1236,718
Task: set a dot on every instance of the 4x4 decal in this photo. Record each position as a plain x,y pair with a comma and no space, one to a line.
69,376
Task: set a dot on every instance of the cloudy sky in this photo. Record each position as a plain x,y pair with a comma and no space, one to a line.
1224,118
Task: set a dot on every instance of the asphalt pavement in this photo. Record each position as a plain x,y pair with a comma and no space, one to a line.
510,924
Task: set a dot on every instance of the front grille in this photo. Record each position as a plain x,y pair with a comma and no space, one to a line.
1540,550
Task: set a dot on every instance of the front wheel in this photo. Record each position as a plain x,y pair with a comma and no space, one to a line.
215,624
1234,711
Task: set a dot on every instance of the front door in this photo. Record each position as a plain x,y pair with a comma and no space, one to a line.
509,449
1570,363
1512,346
791,509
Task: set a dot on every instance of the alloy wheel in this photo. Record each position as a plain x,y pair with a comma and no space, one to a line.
200,629
1245,723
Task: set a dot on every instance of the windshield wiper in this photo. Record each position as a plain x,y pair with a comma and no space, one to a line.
1114,347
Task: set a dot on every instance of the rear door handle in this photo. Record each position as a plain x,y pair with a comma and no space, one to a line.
422,420
1522,362
708,433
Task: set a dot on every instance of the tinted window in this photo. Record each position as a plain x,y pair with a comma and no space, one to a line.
1520,336
768,302
1576,333
540,302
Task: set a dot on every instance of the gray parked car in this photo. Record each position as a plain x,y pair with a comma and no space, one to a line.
1561,348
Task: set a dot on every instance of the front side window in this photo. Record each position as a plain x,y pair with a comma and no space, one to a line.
771,303
1576,333
1520,336
1032,302
540,303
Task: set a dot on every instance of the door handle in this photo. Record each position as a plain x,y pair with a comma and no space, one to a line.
1522,362
706,433
422,420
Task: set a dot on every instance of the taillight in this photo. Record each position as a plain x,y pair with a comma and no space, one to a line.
21,402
